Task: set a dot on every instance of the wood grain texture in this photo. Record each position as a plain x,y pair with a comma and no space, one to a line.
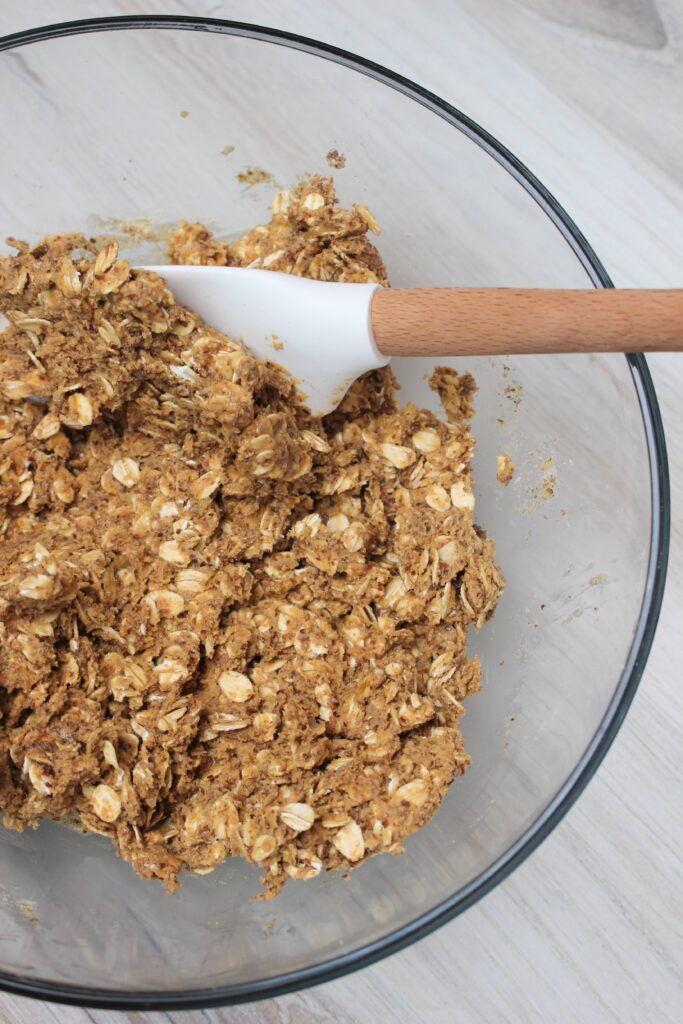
589,95
521,321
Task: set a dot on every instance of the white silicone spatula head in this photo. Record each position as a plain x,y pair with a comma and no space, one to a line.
319,331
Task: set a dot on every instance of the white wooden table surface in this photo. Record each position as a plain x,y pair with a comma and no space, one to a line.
589,93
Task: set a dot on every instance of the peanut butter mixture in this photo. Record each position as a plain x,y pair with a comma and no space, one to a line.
226,628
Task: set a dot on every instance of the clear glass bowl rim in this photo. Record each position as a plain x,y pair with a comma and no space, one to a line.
652,597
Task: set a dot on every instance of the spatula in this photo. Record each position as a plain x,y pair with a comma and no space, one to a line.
327,334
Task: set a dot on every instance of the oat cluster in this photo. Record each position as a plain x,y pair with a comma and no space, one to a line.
226,628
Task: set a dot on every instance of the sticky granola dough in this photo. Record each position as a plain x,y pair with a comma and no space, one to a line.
226,628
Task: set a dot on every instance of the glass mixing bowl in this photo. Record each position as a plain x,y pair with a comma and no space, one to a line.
126,120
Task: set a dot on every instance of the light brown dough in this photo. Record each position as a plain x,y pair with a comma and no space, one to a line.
226,628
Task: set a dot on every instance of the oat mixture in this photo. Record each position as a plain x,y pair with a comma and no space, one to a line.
505,469
226,628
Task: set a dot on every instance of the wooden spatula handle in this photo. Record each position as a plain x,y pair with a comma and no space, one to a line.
493,321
